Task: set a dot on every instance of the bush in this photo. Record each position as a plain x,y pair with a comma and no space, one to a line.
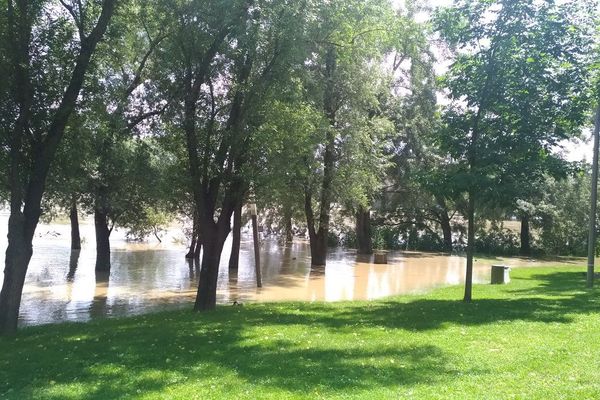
498,241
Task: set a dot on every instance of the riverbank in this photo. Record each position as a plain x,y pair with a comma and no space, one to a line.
534,338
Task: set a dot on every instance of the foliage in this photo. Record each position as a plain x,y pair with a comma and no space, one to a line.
497,241
564,228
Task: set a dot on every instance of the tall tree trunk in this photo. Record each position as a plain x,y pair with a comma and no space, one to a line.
318,238
442,212
214,240
470,248
18,255
318,249
287,221
593,205
192,251
363,231
102,240
26,196
73,216
73,263
447,231
234,258
525,236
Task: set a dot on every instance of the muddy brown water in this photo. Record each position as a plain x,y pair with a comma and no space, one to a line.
62,285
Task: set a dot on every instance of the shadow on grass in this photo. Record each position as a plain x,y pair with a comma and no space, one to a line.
119,358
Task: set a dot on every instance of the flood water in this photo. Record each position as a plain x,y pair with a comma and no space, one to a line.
62,285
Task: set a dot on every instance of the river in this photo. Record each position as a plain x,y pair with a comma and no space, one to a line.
62,285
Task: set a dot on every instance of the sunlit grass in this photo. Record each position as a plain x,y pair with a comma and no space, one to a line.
538,337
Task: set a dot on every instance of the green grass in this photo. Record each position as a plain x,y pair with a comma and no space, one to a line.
536,338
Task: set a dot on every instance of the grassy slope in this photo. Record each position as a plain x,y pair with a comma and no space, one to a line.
537,338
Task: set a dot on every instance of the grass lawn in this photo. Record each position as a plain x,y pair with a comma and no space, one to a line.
536,338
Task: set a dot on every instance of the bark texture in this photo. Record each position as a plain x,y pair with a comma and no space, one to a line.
363,231
74,218
525,236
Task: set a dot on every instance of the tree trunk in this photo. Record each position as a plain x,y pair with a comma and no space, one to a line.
192,251
318,239
73,263
364,241
525,236
206,297
198,246
447,231
73,216
470,249
102,240
190,254
593,205
234,258
442,212
18,254
287,217
26,197
318,249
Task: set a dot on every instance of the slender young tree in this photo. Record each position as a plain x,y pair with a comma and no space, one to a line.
591,256
518,85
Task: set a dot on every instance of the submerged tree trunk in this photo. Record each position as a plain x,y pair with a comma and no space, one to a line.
470,248
74,217
364,241
234,258
525,236
102,240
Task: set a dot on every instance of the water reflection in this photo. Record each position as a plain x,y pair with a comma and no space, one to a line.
62,285
73,262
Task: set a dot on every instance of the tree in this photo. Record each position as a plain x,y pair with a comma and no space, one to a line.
350,41
41,111
226,57
517,86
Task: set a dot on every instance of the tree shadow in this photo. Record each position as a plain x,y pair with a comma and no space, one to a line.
117,358
205,348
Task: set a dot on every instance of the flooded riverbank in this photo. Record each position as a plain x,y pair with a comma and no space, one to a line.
62,285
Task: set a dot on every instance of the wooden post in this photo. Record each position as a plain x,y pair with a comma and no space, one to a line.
253,213
594,200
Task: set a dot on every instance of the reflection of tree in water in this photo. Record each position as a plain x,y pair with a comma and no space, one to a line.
317,271
233,285
73,263
99,306
194,267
